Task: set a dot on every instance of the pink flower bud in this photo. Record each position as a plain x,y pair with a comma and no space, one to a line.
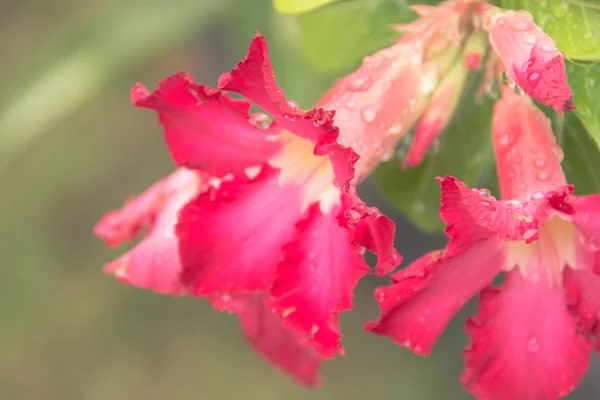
531,59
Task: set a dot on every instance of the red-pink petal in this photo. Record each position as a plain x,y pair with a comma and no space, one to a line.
372,230
230,242
276,344
376,105
587,219
438,114
527,156
423,299
524,344
316,279
204,128
583,289
531,59
254,79
471,215
154,262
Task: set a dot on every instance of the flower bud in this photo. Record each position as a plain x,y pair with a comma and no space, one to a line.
531,58
438,114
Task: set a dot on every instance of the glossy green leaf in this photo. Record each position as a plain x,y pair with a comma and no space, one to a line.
582,156
584,80
335,38
573,24
464,151
299,6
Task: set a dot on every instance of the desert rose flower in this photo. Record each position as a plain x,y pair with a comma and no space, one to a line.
533,336
276,232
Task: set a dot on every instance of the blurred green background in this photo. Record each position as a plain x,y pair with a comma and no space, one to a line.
72,148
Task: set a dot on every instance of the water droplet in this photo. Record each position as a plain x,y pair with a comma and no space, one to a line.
529,234
519,25
547,48
360,83
529,38
518,159
543,176
537,195
522,186
395,129
397,63
377,63
416,59
533,76
539,163
293,104
533,345
368,114
350,105
484,192
310,256
501,21
559,9
428,83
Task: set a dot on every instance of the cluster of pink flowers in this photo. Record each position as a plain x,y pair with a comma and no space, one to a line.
262,219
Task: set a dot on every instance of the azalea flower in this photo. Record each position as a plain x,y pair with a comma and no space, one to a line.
533,335
270,228
531,58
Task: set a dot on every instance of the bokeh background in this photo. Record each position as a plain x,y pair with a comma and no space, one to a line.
72,148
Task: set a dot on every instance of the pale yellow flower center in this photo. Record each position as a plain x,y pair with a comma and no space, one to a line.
299,165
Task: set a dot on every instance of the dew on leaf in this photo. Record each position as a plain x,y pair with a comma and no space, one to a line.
559,9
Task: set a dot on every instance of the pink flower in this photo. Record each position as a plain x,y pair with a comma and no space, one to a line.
532,338
277,233
531,58
154,263
377,105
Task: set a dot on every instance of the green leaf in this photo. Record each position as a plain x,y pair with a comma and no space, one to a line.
582,157
573,24
335,38
299,6
584,80
464,151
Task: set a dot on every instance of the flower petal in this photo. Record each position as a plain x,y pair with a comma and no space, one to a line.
527,156
524,344
372,230
587,219
276,344
376,105
154,262
230,242
204,128
531,59
423,299
254,79
583,289
316,279
471,215
438,114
